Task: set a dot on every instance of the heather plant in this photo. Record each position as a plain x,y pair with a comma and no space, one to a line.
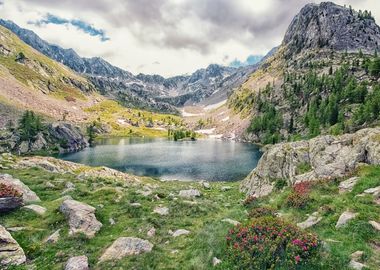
262,212
299,197
250,201
8,191
270,243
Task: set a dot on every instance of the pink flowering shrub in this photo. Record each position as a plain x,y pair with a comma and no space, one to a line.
250,201
269,243
300,195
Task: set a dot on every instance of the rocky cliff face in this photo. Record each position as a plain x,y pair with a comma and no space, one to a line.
58,137
331,26
324,157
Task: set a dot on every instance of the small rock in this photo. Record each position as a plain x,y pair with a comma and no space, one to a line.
175,251
356,265
156,197
54,237
216,261
10,251
357,255
151,232
69,185
77,263
225,188
189,193
348,185
49,185
145,193
374,191
81,217
16,229
231,221
163,211
344,218
180,232
206,185
126,246
100,206
39,210
136,204
313,219
375,225
112,221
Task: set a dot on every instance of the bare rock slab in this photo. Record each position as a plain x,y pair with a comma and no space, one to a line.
77,263
189,193
344,218
39,210
375,225
313,219
10,251
231,221
28,196
81,218
126,246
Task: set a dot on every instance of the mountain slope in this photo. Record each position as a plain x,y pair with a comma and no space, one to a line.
322,79
152,92
30,80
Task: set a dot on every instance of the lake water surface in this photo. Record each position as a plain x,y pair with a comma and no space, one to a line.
208,159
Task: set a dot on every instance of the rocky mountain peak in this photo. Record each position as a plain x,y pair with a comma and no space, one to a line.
330,26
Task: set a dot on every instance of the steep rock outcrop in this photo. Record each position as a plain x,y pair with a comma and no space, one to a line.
331,26
323,157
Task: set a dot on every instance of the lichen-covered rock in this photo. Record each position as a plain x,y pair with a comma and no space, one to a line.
27,195
77,263
325,157
348,185
10,251
126,246
81,217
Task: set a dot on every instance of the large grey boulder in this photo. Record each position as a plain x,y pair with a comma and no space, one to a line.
81,217
27,195
327,157
10,251
77,263
71,135
126,246
8,204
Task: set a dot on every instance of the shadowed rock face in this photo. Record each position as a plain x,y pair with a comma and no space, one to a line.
325,157
331,26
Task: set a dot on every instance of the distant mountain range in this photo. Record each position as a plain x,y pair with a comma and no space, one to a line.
152,92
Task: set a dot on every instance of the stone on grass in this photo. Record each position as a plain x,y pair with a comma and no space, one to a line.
355,263
216,261
151,232
112,221
77,263
373,191
163,211
81,218
375,225
136,204
10,251
27,195
189,193
344,218
225,188
39,210
348,185
206,185
313,219
231,221
180,232
54,237
126,246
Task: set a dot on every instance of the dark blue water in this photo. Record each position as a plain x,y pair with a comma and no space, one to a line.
209,159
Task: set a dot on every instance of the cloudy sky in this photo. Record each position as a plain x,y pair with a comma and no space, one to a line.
167,37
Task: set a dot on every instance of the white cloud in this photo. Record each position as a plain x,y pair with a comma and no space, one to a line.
181,35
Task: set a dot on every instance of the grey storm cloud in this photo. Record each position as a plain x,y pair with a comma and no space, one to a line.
158,22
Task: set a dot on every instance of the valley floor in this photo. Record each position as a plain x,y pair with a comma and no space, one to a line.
115,202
